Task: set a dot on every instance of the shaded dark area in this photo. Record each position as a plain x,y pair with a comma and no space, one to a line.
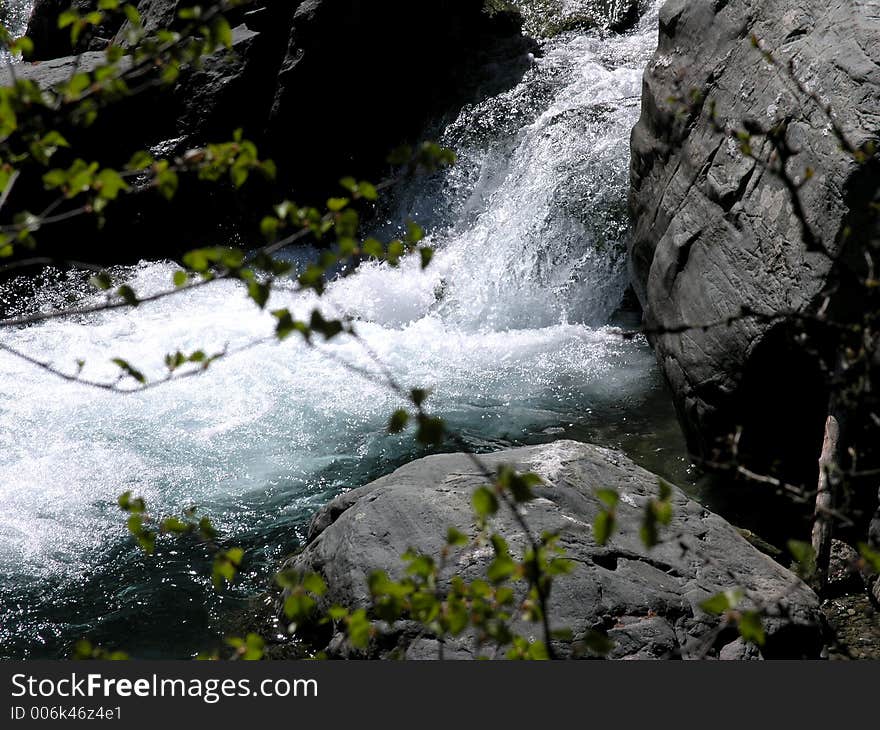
326,89
781,407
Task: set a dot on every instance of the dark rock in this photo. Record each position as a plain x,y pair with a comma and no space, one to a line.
647,600
195,111
50,41
327,88
714,233
54,72
359,77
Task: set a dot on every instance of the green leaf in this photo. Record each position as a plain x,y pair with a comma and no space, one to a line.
519,485
167,183
751,628
222,31
337,204
226,565
129,504
206,529
603,527
359,629
327,327
665,490
398,421
418,396
23,46
870,556
269,226
722,602
140,161
367,191
337,613
456,538
126,293
431,430
609,497
373,248
484,502
298,607
314,583
286,325
501,568
598,643
134,17
414,233
101,280
109,184
805,558
68,17
175,525
129,370
259,292
562,635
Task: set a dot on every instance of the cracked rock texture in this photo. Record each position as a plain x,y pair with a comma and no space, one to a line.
714,231
647,600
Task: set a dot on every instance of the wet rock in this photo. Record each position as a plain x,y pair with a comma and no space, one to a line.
326,88
843,570
715,233
648,601
739,650
50,41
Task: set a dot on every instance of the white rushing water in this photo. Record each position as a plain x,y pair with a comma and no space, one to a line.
507,326
14,16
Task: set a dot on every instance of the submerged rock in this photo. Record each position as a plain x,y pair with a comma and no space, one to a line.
714,232
647,600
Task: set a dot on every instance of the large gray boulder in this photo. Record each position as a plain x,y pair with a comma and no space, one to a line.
648,600
714,232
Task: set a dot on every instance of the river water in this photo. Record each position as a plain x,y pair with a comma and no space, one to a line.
512,327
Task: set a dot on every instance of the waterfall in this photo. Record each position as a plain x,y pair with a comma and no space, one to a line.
508,327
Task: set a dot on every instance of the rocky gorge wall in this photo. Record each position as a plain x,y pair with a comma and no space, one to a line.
716,232
326,88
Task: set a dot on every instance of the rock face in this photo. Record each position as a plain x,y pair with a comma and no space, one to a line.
326,88
50,41
317,75
647,600
714,232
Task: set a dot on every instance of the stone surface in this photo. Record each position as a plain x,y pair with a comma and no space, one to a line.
647,600
714,232
843,570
